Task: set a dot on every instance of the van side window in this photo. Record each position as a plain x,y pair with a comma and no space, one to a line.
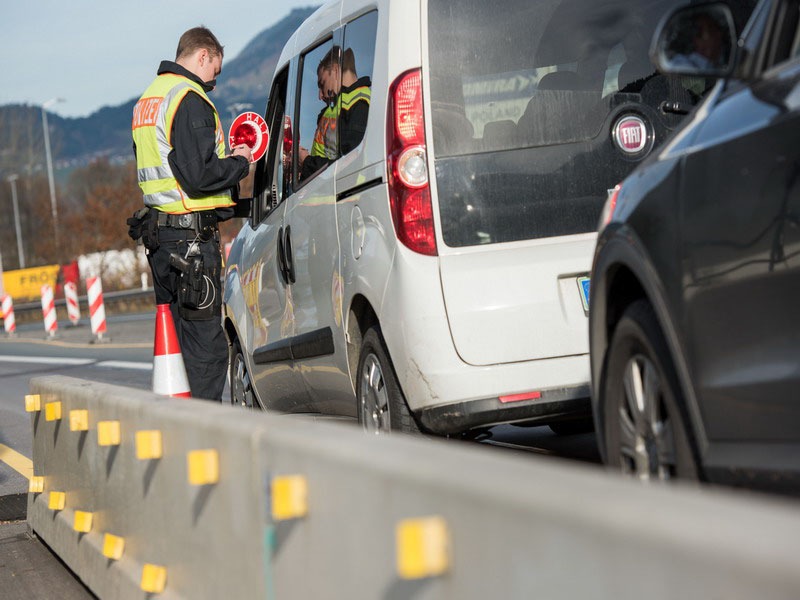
316,118
358,58
335,95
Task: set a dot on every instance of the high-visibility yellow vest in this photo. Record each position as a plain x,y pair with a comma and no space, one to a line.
325,137
152,128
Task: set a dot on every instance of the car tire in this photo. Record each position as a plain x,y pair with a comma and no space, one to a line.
240,381
641,402
381,406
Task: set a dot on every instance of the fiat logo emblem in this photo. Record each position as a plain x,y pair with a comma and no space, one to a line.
630,134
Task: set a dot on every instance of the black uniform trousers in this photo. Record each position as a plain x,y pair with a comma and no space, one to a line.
203,342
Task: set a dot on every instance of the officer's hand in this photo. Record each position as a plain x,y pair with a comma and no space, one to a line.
243,150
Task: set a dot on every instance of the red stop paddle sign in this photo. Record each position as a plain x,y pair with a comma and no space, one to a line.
251,129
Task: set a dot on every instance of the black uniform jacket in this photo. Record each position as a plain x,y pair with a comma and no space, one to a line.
193,159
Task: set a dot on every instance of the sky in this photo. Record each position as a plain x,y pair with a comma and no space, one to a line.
95,53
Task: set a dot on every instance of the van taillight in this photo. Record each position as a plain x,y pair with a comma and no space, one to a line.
409,189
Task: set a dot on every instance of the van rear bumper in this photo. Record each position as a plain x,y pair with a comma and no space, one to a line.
450,419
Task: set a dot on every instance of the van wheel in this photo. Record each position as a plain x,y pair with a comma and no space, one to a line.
645,434
241,384
381,405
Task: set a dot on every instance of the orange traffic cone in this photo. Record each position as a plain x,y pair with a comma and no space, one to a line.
169,373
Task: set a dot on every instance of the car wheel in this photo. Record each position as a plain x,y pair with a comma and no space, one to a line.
241,384
645,435
381,405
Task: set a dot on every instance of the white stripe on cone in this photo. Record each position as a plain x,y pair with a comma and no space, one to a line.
71,297
169,376
49,310
8,315
97,310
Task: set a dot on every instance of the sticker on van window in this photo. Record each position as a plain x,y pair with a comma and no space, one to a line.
630,134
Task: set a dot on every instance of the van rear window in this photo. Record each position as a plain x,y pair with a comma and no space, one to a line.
523,99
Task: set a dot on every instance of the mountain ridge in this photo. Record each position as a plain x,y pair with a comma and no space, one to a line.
106,132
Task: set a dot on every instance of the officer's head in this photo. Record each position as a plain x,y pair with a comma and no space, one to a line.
200,52
330,72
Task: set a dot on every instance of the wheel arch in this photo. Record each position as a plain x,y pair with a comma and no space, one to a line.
360,317
628,275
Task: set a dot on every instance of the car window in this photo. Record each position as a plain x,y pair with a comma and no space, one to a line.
271,171
784,44
539,109
358,58
316,118
547,76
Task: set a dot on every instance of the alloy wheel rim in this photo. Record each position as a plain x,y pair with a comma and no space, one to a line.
374,404
647,442
242,387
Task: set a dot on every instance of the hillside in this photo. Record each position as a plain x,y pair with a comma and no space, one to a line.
244,80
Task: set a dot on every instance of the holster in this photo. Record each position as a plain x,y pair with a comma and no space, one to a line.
142,226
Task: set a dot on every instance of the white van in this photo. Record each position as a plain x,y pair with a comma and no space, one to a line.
428,268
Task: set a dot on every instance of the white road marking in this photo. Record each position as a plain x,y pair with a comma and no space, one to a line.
62,360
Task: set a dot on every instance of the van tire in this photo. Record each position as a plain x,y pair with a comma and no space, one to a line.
381,406
241,384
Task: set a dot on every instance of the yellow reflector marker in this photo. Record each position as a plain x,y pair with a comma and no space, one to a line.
148,444
79,420
113,546
422,548
108,433
36,485
82,522
33,403
289,497
52,411
154,578
203,466
57,500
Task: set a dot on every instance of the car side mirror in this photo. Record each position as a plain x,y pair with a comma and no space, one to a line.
696,40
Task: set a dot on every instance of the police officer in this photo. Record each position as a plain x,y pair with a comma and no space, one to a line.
189,185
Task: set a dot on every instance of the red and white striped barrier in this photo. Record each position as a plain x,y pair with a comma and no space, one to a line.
97,310
49,311
8,315
71,297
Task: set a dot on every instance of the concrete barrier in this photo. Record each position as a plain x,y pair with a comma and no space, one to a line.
151,497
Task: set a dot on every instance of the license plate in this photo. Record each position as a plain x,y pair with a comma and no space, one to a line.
583,287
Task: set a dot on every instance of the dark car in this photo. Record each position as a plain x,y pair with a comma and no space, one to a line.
695,298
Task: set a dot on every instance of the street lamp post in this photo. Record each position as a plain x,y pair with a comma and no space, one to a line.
12,179
53,205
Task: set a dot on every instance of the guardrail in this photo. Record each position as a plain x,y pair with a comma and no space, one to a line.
146,496
119,302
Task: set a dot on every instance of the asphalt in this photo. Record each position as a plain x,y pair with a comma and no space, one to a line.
131,331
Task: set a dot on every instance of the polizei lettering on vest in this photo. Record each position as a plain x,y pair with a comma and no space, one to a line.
145,112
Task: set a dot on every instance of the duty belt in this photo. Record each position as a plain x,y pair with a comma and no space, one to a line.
185,221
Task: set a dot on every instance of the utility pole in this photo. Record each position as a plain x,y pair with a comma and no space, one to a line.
53,205
12,179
